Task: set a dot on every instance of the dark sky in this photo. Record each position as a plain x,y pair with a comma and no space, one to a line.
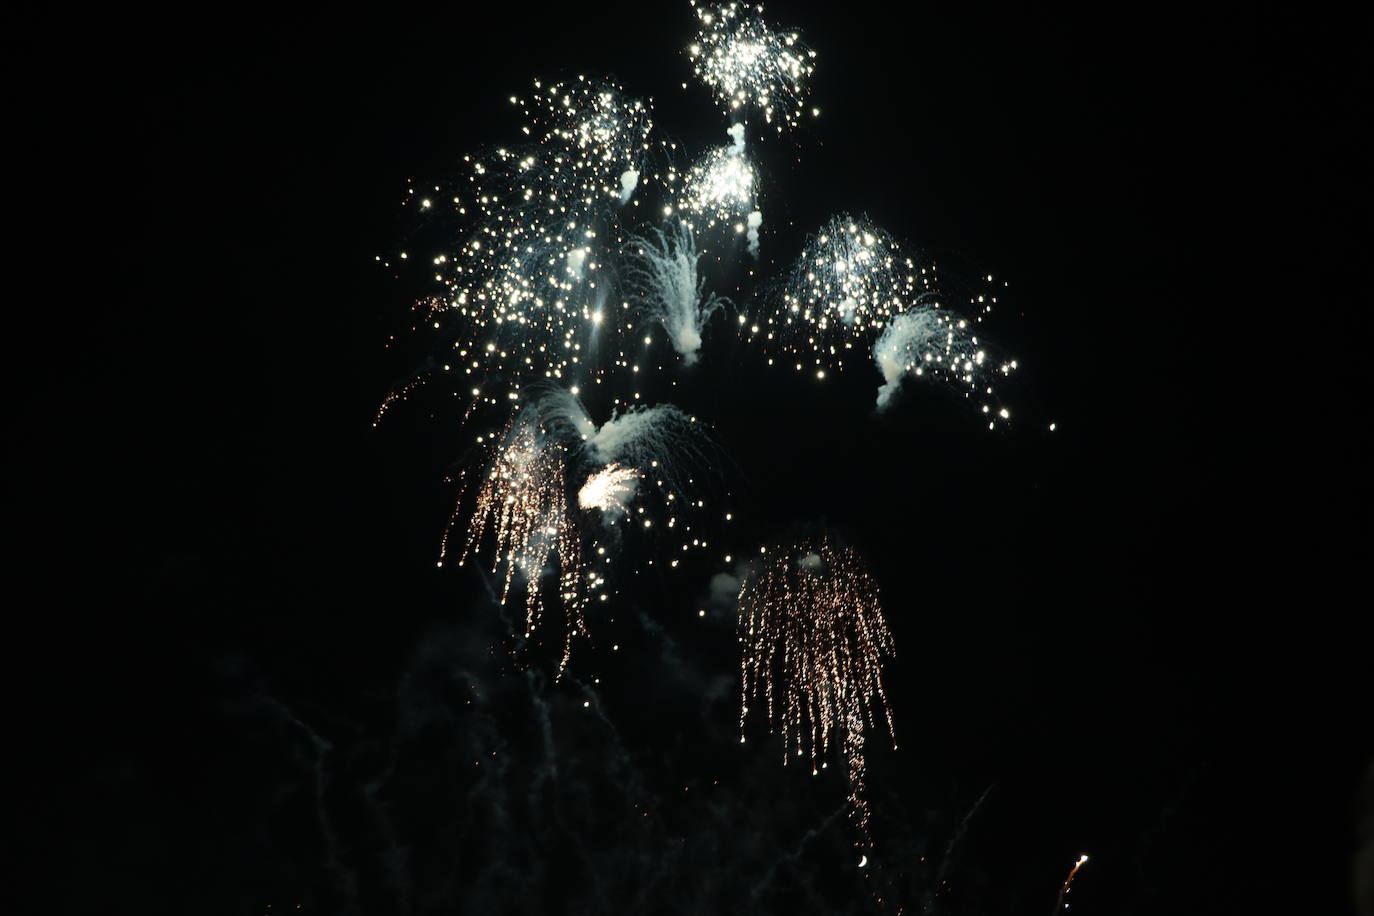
243,683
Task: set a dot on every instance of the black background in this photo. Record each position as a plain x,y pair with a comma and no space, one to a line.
1140,631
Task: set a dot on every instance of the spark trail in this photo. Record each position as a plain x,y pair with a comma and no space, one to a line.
813,640
522,504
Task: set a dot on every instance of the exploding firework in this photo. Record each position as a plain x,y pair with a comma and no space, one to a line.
850,280
522,503
813,639
524,295
645,468
660,274
721,189
749,66
929,343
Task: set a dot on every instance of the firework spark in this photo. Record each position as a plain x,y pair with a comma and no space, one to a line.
609,489
664,441
660,273
929,343
721,189
670,454
524,293
850,280
1060,904
749,66
522,503
814,638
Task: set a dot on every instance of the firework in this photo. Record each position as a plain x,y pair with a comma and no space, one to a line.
670,445
750,67
522,504
720,189
850,280
524,294
646,467
929,343
660,273
813,638
609,489
1060,904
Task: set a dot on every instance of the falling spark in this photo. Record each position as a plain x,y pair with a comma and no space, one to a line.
521,503
749,66
814,638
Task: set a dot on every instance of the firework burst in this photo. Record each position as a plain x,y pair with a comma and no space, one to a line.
721,190
524,294
931,344
850,280
660,274
750,67
521,507
813,637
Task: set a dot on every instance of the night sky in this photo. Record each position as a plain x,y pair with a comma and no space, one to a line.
242,685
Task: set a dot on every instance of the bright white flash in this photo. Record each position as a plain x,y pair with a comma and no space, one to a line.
609,489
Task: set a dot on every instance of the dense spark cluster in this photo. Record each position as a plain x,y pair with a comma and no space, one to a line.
609,489
660,278
749,66
929,343
850,280
525,291
813,640
522,503
721,189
